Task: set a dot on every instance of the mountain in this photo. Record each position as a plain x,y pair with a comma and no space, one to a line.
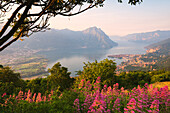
162,51
162,44
147,37
91,38
161,48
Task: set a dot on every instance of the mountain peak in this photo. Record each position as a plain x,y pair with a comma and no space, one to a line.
94,27
93,30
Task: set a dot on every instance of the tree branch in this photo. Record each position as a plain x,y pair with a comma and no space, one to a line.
91,6
12,41
2,6
10,20
17,25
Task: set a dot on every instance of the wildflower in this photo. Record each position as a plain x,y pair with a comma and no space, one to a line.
33,98
81,84
3,94
77,106
39,99
28,98
60,95
44,99
116,105
155,104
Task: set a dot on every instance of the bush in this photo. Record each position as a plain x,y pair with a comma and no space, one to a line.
59,77
104,69
161,77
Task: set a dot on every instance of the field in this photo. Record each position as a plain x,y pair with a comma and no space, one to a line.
161,84
29,67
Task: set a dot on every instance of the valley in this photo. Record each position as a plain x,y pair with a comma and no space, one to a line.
32,56
31,59
25,62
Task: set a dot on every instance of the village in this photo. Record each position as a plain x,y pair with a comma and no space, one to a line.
138,61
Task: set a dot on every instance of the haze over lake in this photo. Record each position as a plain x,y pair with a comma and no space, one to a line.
72,48
73,59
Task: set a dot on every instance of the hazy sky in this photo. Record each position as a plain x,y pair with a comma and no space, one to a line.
120,19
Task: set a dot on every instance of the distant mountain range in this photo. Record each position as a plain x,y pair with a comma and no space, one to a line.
91,38
147,37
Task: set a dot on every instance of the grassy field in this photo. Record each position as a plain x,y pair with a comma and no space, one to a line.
161,84
29,67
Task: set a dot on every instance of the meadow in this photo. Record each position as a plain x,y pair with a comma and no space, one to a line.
97,89
90,98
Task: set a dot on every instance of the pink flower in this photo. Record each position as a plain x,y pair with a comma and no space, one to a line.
108,111
81,84
132,111
130,108
28,98
150,111
77,106
3,94
126,109
39,99
33,98
155,104
132,102
44,98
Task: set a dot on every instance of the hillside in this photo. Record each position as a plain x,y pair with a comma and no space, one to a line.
157,57
91,38
161,44
26,62
147,37
162,47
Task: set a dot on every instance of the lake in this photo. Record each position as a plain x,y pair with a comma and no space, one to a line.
73,59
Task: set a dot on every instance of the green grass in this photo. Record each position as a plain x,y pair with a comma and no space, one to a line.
30,66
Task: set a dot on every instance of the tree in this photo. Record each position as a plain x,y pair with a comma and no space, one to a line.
38,85
104,69
10,81
8,75
59,78
24,20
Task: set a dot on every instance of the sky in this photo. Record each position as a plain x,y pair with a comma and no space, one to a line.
120,18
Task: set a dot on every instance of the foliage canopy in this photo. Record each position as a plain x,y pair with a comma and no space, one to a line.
59,77
104,69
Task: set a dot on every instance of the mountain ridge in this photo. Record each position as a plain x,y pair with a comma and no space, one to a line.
145,37
91,38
